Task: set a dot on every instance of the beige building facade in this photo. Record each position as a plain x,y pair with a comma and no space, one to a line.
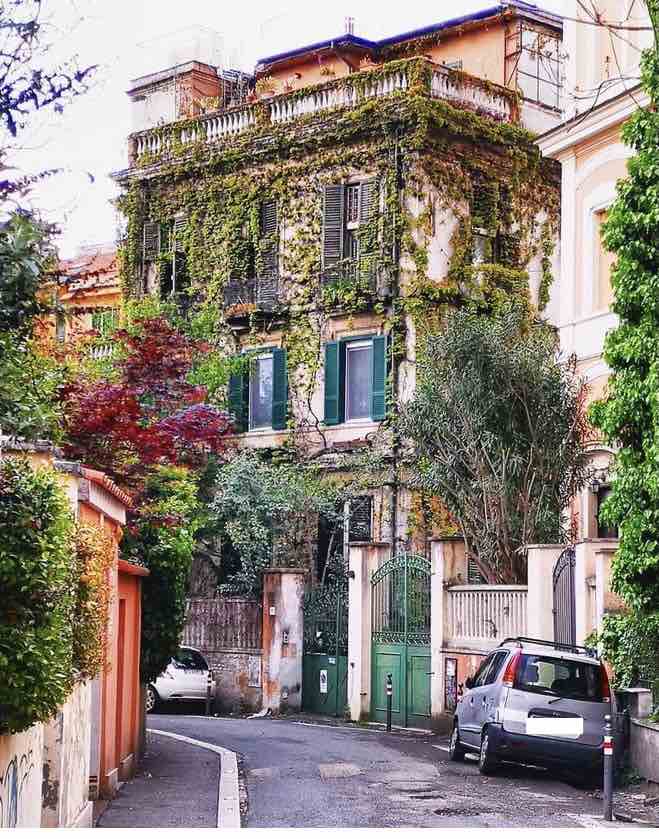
601,91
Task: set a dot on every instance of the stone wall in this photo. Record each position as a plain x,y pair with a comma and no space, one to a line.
237,678
227,631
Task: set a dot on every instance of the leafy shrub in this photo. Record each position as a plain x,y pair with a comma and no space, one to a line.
95,557
37,581
631,644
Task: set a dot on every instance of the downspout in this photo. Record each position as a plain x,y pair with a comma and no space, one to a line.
395,373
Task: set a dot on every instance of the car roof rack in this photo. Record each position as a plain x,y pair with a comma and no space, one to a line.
520,639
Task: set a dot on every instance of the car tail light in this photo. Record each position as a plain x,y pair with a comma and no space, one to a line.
511,671
604,682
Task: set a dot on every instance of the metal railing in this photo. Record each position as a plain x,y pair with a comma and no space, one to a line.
261,292
482,616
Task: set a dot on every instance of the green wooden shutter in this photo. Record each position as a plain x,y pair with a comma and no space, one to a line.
266,291
368,237
238,398
334,386
378,392
332,229
279,389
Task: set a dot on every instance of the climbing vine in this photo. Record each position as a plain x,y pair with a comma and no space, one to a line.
458,195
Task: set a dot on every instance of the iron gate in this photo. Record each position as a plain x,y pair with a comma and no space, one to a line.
325,660
400,634
565,625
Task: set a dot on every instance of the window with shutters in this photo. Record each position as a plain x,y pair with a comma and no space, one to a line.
348,253
254,279
355,379
105,321
163,243
258,394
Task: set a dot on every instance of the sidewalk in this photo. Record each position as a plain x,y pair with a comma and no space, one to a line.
176,786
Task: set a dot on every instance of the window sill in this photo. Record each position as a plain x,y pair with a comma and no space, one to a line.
356,423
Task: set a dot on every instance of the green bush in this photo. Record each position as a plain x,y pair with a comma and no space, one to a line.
163,539
38,583
631,645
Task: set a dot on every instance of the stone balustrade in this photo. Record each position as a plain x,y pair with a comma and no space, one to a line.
465,91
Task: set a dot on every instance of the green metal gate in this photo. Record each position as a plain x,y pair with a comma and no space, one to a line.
325,660
400,633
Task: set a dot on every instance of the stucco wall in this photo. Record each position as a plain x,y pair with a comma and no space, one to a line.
20,778
66,757
644,749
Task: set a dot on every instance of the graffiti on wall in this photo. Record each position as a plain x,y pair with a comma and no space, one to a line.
12,784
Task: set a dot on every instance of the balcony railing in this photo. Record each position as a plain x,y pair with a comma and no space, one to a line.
260,293
482,616
102,351
458,88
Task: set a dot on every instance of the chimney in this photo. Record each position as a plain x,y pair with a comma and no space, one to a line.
350,26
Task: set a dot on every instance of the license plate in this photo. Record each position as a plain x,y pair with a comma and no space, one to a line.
568,727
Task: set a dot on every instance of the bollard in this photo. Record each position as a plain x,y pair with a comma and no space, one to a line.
209,679
390,692
608,769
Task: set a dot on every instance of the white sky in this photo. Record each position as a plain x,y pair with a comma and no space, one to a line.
127,37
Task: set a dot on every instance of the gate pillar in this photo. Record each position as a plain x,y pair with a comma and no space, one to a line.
283,629
364,558
436,631
540,597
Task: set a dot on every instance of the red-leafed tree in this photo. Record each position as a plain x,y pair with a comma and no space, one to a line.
150,414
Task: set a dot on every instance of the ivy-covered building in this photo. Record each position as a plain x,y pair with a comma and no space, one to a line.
314,219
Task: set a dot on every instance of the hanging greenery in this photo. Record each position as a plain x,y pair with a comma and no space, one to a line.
95,553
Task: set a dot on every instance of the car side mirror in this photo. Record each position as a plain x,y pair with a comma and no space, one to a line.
469,682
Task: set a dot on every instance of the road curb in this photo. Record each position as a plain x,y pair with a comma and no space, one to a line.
228,797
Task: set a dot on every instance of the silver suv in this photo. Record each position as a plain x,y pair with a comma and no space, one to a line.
536,702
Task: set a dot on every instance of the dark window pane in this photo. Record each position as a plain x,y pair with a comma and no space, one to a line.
358,382
260,393
559,677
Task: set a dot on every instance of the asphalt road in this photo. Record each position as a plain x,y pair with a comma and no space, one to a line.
302,774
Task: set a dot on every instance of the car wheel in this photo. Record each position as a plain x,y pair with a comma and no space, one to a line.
151,699
486,761
455,751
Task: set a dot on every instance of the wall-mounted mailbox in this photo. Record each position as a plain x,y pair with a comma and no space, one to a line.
273,610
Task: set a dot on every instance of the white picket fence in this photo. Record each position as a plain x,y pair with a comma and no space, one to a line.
478,617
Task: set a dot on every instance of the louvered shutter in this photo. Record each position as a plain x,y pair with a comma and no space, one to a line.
279,389
368,244
269,256
334,372
180,222
239,398
379,379
333,202
360,519
367,201
150,240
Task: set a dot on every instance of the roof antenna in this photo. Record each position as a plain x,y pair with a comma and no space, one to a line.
350,26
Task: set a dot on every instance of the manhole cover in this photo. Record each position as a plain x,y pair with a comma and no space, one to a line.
460,811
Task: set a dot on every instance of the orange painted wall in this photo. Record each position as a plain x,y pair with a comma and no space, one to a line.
120,682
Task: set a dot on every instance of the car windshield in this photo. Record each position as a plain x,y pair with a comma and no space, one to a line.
189,660
559,677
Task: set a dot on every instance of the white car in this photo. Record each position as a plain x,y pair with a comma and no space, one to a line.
186,677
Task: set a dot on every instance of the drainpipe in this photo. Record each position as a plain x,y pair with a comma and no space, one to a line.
395,373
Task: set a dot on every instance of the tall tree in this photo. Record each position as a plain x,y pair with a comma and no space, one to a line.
629,417
496,427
